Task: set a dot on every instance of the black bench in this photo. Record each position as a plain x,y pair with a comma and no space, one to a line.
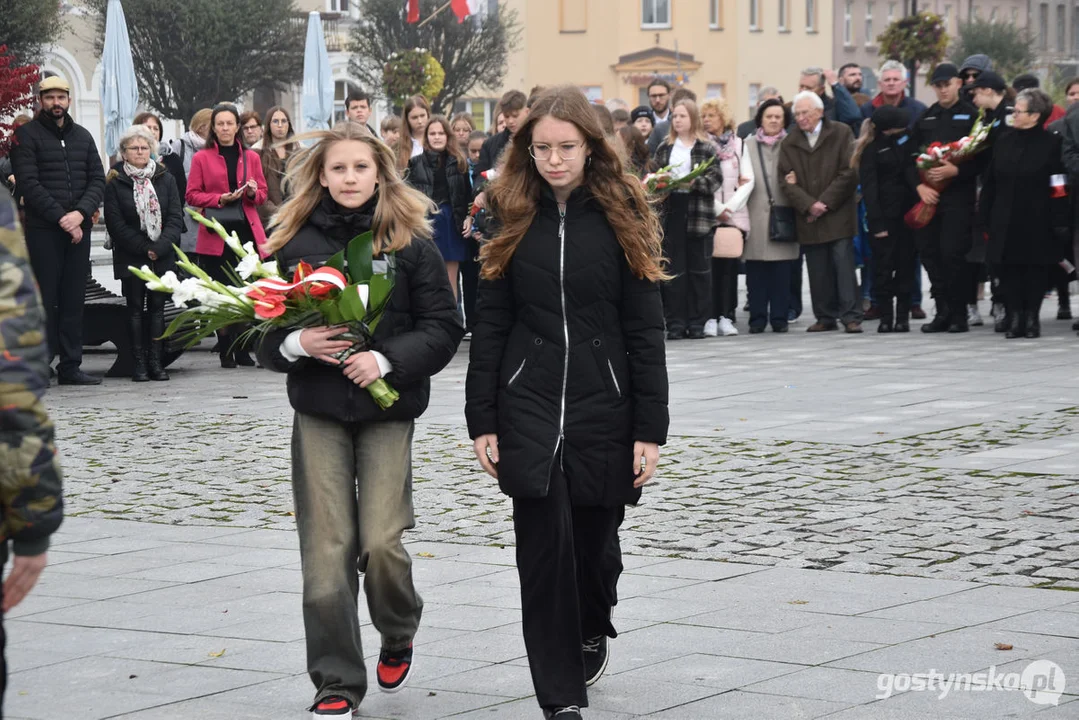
105,320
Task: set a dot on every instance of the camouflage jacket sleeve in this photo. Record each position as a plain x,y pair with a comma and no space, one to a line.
30,483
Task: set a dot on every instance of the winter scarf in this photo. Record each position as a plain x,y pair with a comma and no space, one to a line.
724,146
146,203
770,139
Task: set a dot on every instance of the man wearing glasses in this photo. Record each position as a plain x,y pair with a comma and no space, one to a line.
943,244
659,97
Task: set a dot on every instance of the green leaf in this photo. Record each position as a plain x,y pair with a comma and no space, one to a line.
331,310
337,262
381,288
359,257
351,305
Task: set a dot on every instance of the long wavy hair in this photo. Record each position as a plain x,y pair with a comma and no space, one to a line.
401,212
514,196
404,146
452,148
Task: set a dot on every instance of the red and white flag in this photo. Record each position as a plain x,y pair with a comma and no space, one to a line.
464,8
1058,186
413,11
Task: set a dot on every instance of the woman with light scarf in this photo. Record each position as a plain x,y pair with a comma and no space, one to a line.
143,216
768,263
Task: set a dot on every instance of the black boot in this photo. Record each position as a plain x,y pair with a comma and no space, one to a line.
902,317
156,358
940,322
1016,326
885,325
138,347
1003,319
1034,326
224,344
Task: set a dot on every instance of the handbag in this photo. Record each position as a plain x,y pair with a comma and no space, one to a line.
727,242
231,216
781,227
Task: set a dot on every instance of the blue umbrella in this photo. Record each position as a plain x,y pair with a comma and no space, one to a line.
119,88
317,102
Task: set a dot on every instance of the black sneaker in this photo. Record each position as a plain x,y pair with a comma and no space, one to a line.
596,653
394,668
78,377
570,712
334,706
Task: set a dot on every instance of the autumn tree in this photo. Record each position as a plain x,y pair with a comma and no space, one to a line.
16,93
472,54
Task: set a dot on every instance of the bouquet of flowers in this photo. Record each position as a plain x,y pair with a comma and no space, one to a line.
936,155
662,181
350,290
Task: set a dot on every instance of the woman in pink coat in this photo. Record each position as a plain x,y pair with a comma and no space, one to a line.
225,174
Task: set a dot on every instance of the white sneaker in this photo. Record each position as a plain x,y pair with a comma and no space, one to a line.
710,328
974,318
726,327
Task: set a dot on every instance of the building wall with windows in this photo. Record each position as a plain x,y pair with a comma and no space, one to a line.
612,48
858,23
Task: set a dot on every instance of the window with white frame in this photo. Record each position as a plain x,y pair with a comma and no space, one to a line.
1043,26
655,13
891,13
993,14
947,17
1075,29
811,15
783,7
848,23
754,15
715,14
870,38
341,89
1062,30
715,90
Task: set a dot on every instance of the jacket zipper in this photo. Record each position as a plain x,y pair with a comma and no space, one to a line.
565,329
517,373
610,367
67,172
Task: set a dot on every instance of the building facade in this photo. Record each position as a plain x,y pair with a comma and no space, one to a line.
613,48
858,23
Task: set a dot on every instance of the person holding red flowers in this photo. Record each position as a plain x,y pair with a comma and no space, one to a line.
351,459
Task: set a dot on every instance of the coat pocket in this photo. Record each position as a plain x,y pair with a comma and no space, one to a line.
606,368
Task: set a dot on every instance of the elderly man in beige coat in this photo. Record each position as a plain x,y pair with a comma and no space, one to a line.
815,162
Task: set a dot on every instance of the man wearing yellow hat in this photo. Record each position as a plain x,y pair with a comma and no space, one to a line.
62,183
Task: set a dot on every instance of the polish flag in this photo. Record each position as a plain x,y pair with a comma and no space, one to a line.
413,11
463,8
1058,186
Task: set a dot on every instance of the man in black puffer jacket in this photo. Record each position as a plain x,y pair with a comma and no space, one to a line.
62,183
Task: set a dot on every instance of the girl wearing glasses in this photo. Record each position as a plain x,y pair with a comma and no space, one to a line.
567,383
275,155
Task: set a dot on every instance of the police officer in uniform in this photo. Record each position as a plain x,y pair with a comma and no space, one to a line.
943,244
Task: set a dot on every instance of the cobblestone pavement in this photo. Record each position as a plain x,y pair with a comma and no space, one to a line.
895,506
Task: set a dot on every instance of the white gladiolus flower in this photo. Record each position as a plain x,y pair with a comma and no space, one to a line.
186,291
170,281
270,269
248,266
233,241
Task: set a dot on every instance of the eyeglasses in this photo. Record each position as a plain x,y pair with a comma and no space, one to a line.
140,149
969,75
566,151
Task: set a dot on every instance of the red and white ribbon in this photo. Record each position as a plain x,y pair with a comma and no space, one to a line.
330,276
1058,186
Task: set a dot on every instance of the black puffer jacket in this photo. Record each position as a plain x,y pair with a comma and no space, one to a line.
130,244
611,384
418,334
57,170
421,175
886,186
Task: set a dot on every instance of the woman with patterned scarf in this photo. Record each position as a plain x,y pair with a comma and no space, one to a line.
768,263
143,215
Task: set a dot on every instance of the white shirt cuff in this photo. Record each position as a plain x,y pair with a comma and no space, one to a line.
384,365
291,349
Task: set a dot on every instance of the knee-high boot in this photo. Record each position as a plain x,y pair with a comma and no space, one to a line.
138,345
156,357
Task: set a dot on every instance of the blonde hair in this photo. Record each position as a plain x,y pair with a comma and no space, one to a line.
867,134
201,119
401,212
720,107
404,148
695,128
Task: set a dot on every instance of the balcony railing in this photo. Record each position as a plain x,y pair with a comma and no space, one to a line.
335,27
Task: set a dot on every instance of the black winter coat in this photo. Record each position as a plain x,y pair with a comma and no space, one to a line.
886,186
610,384
945,125
490,153
57,170
418,334
421,175
1026,226
130,244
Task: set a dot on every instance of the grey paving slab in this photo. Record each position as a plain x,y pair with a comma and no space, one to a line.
738,704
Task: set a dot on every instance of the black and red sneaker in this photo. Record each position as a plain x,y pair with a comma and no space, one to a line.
394,667
333,706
